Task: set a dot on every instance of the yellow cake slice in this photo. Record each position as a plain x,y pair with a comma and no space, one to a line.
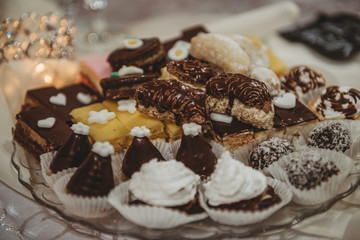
173,131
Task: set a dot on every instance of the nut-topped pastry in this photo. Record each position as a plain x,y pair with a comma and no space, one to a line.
338,103
245,98
138,52
172,101
189,71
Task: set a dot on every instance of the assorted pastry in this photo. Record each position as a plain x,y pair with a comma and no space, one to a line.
155,129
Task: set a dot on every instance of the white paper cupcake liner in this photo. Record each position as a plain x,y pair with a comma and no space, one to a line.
327,189
87,207
49,177
242,217
243,153
148,216
354,128
117,159
216,148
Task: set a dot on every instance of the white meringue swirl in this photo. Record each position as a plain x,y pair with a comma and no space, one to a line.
164,183
232,182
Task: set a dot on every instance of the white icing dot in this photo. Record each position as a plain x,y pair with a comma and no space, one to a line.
59,99
80,128
140,132
133,43
104,149
83,98
127,105
286,101
46,123
126,70
191,129
217,117
101,117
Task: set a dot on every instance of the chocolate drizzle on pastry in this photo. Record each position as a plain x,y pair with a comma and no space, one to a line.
150,52
302,78
196,154
72,153
191,71
94,177
343,100
140,151
250,92
187,104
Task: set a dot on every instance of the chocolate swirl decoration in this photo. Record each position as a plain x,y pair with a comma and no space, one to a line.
171,95
303,78
250,92
192,71
343,100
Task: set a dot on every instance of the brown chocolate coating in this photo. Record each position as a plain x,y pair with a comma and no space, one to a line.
302,77
341,101
140,151
72,153
186,103
94,177
192,207
150,52
196,154
124,86
37,140
255,204
250,92
191,71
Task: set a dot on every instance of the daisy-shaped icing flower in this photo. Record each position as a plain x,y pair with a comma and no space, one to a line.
101,117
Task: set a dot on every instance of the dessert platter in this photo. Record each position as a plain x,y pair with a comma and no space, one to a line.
205,135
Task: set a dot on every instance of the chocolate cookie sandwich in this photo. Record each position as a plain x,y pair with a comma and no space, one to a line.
245,98
70,155
248,196
142,53
84,192
39,130
124,84
314,175
192,72
163,194
172,101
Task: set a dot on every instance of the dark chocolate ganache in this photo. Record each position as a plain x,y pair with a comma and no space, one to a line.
94,177
140,151
171,95
336,37
126,80
192,71
250,92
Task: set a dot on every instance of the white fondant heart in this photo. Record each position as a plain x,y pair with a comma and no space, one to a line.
286,101
46,123
83,98
59,99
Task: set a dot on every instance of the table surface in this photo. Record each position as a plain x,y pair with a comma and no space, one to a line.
23,218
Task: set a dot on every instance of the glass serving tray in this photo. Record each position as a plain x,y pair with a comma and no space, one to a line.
29,174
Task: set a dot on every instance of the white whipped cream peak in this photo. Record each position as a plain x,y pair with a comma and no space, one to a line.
232,182
104,149
84,98
126,70
164,183
59,99
80,128
127,105
101,117
218,117
191,129
46,123
140,132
